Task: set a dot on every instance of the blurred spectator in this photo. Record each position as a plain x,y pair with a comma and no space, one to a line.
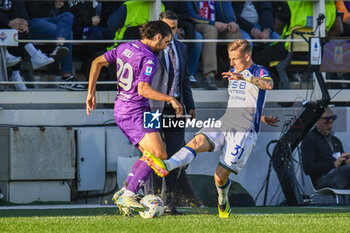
87,20
87,25
323,155
301,15
108,8
13,15
47,22
127,19
344,7
186,30
213,20
281,15
255,20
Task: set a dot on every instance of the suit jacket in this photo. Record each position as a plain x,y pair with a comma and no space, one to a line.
173,137
161,78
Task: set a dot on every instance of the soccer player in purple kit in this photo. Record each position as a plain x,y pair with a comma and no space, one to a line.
136,65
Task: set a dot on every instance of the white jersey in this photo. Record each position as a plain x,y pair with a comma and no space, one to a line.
240,123
245,103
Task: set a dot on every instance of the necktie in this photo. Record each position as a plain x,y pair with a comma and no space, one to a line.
172,70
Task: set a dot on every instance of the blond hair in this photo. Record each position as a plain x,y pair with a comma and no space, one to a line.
240,45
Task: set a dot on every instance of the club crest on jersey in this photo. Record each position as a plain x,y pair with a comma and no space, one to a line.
148,70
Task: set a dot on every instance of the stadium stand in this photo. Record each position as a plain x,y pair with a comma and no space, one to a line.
41,105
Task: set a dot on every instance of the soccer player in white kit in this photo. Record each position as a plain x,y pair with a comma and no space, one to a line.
248,83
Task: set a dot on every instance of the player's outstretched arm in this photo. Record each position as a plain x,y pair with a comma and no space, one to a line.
95,70
270,120
145,89
262,83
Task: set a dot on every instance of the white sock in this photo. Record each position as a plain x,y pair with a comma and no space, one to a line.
223,192
15,72
128,193
30,49
181,158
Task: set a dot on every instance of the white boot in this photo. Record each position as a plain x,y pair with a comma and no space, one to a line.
17,77
39,60
12,60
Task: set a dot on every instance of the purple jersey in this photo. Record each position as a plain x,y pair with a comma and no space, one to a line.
136,63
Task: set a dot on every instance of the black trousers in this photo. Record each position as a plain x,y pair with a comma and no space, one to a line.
176,182
338,178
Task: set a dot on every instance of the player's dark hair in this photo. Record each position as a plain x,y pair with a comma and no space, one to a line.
241,45
168,15
152,28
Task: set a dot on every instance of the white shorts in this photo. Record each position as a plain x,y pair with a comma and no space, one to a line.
235,146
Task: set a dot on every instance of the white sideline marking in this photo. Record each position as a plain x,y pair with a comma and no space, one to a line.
48,207
95,206
327,207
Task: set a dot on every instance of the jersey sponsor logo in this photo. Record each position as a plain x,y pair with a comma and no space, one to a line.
123,96
150,62
237,87
148,70
235,84
151,120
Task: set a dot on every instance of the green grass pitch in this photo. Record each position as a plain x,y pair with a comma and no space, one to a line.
257,219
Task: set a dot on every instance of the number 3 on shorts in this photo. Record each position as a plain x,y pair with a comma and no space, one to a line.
238,149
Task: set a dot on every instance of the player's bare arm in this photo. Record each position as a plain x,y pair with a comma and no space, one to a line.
270,120
148,92
262,83
95,70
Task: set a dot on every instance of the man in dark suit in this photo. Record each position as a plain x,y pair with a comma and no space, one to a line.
172,78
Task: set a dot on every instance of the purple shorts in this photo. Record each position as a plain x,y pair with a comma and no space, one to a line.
132,127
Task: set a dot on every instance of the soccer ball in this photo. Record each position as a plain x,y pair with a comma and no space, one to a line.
154,206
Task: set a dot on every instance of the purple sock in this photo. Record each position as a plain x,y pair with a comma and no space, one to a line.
140,177
133,171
